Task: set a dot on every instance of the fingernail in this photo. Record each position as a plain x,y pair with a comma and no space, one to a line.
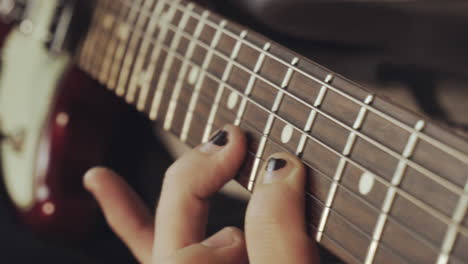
221,239
274,170
218,140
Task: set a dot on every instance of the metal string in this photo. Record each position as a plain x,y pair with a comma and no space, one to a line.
439,179
235,90
382,180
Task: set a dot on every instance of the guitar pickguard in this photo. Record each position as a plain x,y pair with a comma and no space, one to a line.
28,80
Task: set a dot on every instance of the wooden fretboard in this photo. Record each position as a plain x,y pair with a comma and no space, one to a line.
384,185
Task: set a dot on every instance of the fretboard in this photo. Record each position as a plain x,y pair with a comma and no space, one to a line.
384,185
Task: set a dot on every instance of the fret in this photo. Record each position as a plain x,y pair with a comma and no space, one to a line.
347,96
112,43
200,81
87,47
225,76
349,150
124,32
108,24
155,107
341,166
250,84
163,21
271,117
202,104
391,193
131,52
313,114
452,231
355,89
139,77
192,78
406,232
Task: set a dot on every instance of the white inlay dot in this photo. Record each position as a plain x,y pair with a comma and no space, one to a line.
287,133
232,100
193,75
124,31
108,21
366,182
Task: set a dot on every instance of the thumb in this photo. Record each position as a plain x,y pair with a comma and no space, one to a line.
226,247
275,222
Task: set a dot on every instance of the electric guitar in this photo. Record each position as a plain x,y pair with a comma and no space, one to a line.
384,184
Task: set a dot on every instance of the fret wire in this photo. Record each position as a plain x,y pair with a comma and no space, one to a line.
130,54
358,229
337,212
401,192
391,193
268,125
442,181
108,22
183,71
123,32
312,116
450,150
110,52
85,48
250,84
137,77
409,231
163,16
341,165
198,86
452,232
344,187
161,86
220,91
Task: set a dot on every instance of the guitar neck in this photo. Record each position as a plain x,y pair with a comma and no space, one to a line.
384,186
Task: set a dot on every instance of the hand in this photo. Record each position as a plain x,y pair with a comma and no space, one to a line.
275,230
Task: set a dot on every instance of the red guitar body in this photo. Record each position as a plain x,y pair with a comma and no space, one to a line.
75,138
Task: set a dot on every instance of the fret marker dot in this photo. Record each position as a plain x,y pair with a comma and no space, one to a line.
232,100
287,133
108,21
124,31
366,183
193,75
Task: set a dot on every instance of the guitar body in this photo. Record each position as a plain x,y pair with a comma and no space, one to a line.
60,122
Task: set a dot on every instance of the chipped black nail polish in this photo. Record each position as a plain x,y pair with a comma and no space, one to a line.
220,138
275,164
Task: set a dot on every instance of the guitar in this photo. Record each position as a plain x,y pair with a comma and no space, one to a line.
384,184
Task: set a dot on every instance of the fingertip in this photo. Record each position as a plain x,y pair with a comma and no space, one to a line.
94,177
283,167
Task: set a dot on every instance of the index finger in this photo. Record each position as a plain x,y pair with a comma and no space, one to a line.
181,216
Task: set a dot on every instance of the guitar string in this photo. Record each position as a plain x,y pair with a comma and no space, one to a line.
205,100
439,179
450,150
351,192
416,201
460,208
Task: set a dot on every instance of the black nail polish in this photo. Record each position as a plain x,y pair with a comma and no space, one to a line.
220,138
275,164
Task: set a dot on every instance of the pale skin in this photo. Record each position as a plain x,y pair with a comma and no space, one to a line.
275,228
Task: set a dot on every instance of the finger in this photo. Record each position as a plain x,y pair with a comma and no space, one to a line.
275,219
183,206
123,210
225,247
